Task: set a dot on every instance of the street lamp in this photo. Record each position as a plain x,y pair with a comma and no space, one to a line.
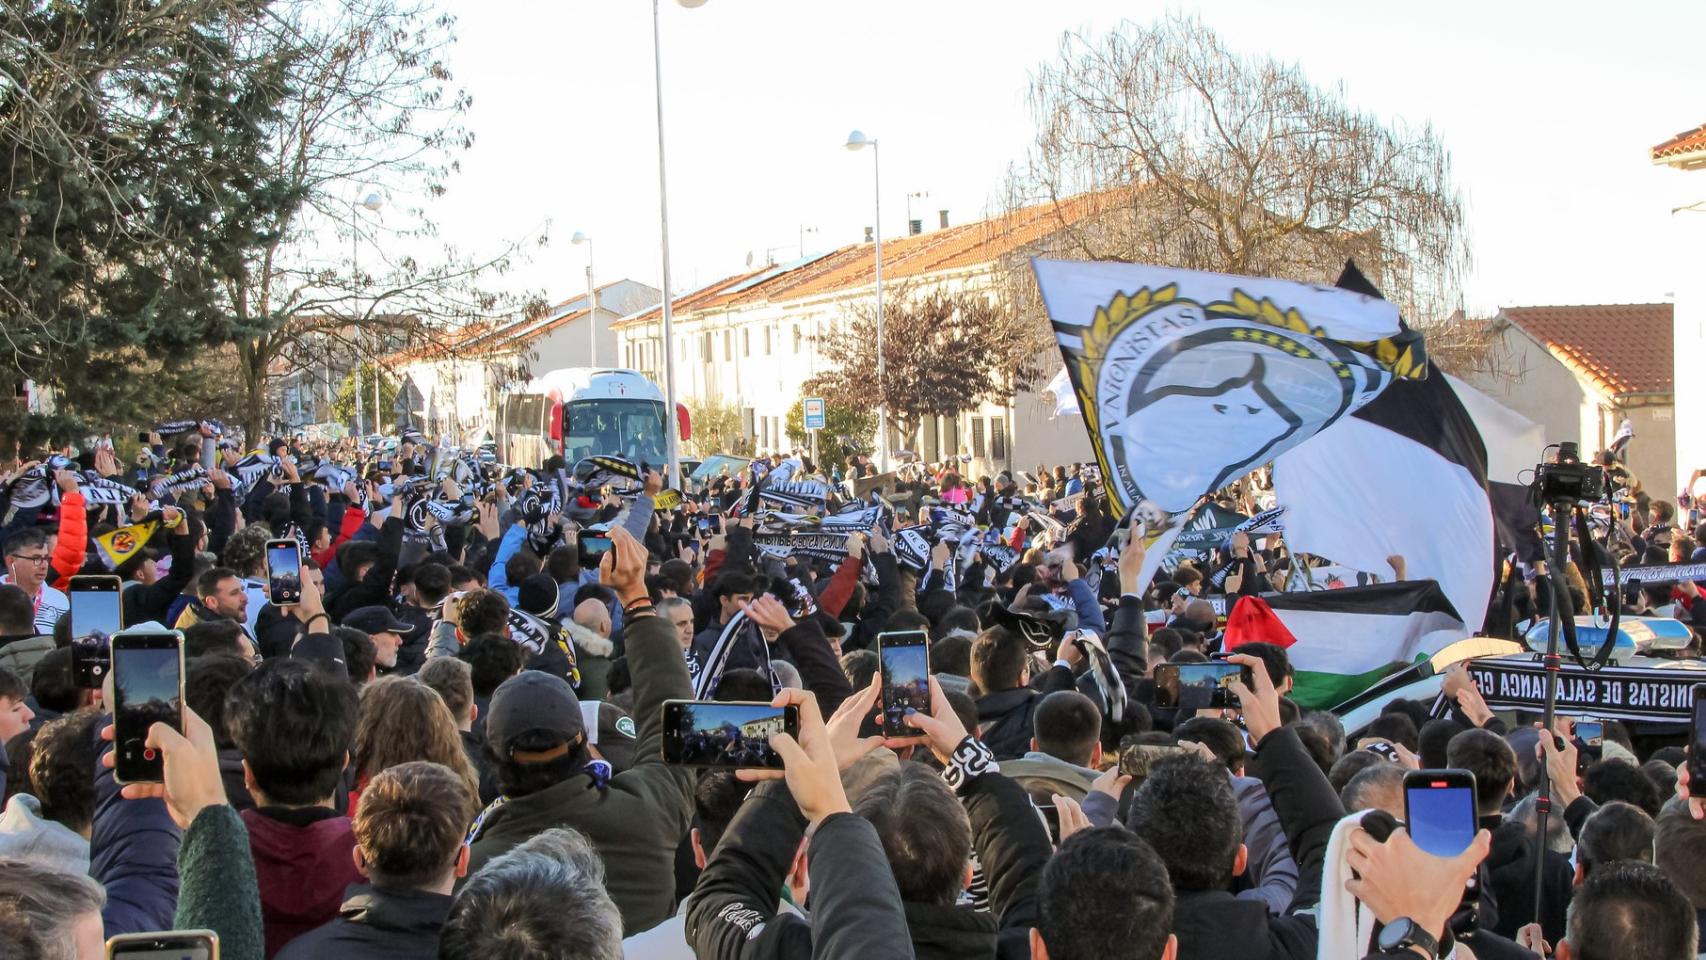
672,431
371,203
858,141
591,300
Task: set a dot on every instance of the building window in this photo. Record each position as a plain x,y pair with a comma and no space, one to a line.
797,338
767,340
728,345
705,347
746,341
998,438
977,437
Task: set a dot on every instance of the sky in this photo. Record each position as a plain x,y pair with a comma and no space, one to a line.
1548,111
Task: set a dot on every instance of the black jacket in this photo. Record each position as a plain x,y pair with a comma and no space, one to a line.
1212,925
1510,865
856,908
376,923
1004,717
153,601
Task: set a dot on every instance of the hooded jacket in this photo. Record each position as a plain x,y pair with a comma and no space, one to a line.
592,657
303,865
20,654
1004,717
376,923
639,818
26,835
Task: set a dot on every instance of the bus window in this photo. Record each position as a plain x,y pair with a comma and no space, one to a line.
629,428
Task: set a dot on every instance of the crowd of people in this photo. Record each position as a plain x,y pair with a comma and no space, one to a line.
452,744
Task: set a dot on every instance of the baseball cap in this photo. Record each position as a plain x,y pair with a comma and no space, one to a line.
377,619
611,730
323,649
533,701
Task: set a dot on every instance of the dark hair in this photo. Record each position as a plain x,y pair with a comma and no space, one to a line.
352,555
213,636
716,800
563,563
1615,779
860,666
17,611
1616,831
1067,726
542,900
1629,909
1491,760
65,753
1105,894
1348,766
208,583
1167,641
1435,737
997,660
731,582
952,655
955,618
207,682
483,611
522,564
1315,741
924,831
360,654
11,685
462,574
492,658
26,539
1185,809
293,722
1220,736
908,620
53,685
411,822
517,779
1661,773
964,707
1416,710
743,684
1398,728
432,583
1273,657
1681,852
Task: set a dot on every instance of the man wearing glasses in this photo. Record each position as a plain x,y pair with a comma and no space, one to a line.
30,555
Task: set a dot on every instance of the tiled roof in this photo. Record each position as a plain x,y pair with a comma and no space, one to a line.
1685,143
853,267
502,335
1622,348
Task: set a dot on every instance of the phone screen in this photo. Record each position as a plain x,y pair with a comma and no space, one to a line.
595,543
96,614
1439,810
1136,759
704,734
284,572
1198,686
905,658
1591,733
147,689
164,946
1697,744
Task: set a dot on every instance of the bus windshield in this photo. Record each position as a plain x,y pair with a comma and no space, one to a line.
631,428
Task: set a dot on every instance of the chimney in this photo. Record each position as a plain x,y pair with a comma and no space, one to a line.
944,215
914,227
870,234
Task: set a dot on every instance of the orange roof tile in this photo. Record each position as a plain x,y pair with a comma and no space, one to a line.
1623,348
1684,143
853,267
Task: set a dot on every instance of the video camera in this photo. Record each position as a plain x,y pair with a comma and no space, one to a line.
1569,480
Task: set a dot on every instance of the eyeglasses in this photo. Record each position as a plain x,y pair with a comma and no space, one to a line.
44,558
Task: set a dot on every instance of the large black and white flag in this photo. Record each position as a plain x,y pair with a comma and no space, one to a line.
1190,380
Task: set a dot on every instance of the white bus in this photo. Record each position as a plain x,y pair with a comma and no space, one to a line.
578,412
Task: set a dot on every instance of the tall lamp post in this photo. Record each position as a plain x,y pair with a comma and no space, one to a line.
672,427
858,141
371,203
591,301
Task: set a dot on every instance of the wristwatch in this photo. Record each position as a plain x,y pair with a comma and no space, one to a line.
1401,936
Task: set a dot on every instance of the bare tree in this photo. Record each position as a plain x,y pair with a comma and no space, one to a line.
372,108
1157,144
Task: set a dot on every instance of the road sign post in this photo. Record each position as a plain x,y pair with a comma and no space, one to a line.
815,418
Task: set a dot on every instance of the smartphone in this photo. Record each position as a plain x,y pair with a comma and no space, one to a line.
905,662
1199,686
1697,744
1590,733
702,733
596,544
284,572
142,438
165,945
1137,759
148,688
1439,809
97,612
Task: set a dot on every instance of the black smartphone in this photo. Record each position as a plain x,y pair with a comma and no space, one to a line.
1697,744
165,945
148,688
1439,810
1590,733
905,662
1199,686
284,572
703,733
97,612
1137,759
595,544
142,438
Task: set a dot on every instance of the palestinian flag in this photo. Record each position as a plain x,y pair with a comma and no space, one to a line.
1342,642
